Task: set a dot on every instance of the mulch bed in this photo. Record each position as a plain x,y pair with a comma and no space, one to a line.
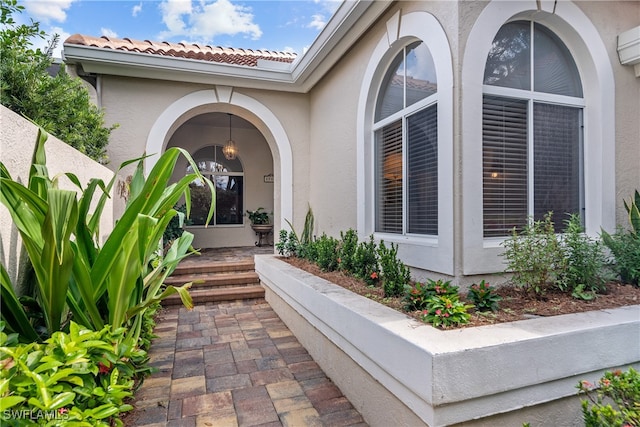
515,305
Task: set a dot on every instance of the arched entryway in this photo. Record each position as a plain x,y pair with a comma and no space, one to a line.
199,122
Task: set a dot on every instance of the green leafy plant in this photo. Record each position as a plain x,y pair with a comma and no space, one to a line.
80,376
326,252
534,256
347,250
365,262
446,310
259,216
395,275
614,401
417,295
484,296
76,277
290,244
583,260
175,228
625,244
60,104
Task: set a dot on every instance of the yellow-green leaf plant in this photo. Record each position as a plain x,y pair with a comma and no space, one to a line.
79,279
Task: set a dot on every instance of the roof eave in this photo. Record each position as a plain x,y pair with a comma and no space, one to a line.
349,22
132,64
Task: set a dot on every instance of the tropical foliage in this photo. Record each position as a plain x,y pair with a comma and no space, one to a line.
78,278
625,244
58,103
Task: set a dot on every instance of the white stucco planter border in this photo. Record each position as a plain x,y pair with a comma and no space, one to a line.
448,377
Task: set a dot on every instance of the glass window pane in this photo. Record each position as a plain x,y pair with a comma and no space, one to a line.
200,202
554,68
557,161
228,199
389,178
422,172
391,97
509,61
504,165
421,79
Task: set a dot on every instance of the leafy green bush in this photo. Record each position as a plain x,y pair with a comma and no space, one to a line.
175,228
395,275
534,256
625,250
584,260
417,296
75,277
78,376
622,389
446,310
59,104
347,251
326,252
484,296
365,262
625,245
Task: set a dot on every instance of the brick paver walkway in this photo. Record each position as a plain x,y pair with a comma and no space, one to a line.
235,364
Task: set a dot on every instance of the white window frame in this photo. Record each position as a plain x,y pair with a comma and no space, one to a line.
568,22
434,253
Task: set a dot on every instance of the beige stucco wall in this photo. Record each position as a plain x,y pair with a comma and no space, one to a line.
135,105
334,112
256,159
17,142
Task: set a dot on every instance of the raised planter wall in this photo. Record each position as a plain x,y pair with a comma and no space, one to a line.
397,371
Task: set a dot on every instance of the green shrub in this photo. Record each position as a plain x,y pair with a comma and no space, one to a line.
326,252
417,296
59,104
625,251
534,256
395,275
446,310
484,296
614,401
76,277
584,260
78,376
347,251
365,262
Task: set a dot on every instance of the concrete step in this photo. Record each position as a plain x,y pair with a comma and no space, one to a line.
202,296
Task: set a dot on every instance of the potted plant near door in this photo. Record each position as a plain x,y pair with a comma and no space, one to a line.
260,224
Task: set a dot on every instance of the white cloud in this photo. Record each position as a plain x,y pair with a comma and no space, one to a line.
204,20
108,32
318,22
136,9
46,11
289,49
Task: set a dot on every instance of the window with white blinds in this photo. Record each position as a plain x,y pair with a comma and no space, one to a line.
422,172
556,161
389,186
406,145
504,164
531,145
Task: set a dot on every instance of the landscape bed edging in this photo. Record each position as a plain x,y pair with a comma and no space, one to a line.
453,376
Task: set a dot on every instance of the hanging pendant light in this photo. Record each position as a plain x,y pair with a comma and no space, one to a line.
230,150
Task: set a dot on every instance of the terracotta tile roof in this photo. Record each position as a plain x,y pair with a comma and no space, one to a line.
246,57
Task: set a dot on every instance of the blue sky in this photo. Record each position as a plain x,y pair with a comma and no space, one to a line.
255,24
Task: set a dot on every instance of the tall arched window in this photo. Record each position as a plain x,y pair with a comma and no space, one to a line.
532,132
406,145
228,179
